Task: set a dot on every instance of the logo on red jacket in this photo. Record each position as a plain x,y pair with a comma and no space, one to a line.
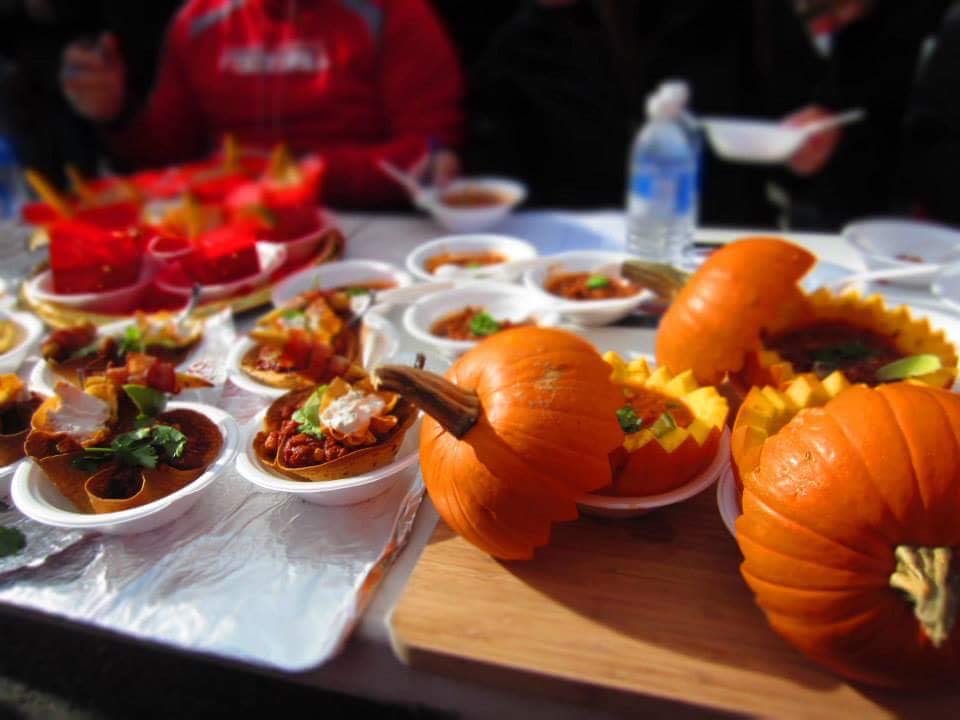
292,57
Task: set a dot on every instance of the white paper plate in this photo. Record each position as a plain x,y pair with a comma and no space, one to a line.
621,507
11,360
338,274
327,492
376,329
728,501
37,498
510,247
881,241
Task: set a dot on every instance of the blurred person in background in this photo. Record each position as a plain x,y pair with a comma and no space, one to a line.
868,52
561,91
46,130
353,80
931,177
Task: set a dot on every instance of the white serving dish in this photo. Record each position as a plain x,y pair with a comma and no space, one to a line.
585,312
327,492
502,301
37,498
728,501
6,476
880,241
379,339
338,274
32,328
122,300
511,248
464,220
270,255
753,141
623,507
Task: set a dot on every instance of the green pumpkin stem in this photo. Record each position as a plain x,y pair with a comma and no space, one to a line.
932,585
455,408
665,280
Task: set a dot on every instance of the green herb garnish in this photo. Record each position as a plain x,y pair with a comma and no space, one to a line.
131,341
308,416
473,266
356,291
664,424
143,447
908,367
12,541
483,324
629,422
597,282
149,402
850,352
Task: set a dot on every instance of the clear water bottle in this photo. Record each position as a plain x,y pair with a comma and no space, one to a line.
11,182
662,193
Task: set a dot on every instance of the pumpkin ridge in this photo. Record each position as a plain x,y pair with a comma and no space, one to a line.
755,580
801,529
937,399
906,443
877,580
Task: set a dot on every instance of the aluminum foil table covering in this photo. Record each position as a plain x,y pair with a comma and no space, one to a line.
252,576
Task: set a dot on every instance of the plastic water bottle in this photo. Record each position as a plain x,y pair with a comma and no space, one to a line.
676,94
662,194
11,183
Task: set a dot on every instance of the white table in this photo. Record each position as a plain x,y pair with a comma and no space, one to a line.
367,666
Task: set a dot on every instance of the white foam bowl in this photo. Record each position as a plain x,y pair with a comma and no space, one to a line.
586,312
122,300
510,247
347,491
270,255
338,274
502,301
880,241
6,476
31,328
462,220
38,498
753,141
728,501
623,507
376,329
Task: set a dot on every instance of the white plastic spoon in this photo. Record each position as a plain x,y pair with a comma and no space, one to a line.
888,274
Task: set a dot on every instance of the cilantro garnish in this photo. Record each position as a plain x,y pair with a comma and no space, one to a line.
483,324
144,447
149,402
597,282
308,416
473,266
664,424
628,420
12,541
131,341
355,291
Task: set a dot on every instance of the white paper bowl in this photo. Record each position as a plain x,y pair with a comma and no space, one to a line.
502,301
302,248
728,501
510,247
587,312
753,141
623,507
37,498
31,328
376,329
122,300
881,241
327,492
462,220
271,257
6,476
338,274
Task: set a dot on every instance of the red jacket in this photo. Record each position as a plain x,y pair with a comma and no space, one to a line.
354,80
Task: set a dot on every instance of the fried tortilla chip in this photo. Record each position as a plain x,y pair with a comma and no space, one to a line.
294,379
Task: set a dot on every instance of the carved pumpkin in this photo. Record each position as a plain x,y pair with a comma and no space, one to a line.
851,529
523,425
744,299
672,428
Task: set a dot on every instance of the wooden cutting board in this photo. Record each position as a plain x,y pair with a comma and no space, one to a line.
652,606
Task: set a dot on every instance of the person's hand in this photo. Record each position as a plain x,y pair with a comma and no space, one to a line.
816,152
93,78
438,168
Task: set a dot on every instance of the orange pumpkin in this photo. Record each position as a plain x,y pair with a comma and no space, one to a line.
851,532
746,295
677,430
523,425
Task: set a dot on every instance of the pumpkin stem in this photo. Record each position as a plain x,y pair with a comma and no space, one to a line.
932,585
455,408
665,280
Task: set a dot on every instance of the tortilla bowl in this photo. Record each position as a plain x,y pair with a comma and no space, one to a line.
11,443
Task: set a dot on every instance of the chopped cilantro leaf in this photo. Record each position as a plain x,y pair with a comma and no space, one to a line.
143,447
483,324
149,402
12,541
308,416
131,341
597,282
628,420
355,291
664,424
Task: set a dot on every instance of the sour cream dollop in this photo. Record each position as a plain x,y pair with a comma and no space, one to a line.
350,414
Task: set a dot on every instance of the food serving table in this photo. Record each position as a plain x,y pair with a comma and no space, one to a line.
482,687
